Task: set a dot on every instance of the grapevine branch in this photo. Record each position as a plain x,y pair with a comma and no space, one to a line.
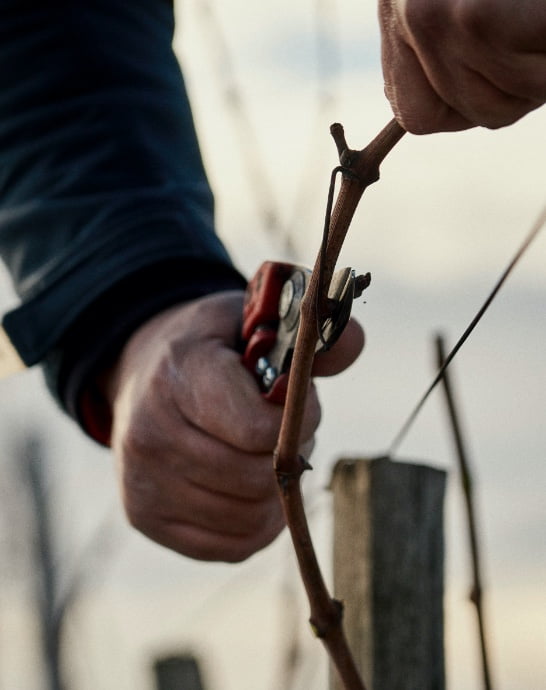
359,170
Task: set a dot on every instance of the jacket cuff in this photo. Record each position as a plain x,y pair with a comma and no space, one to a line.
99,333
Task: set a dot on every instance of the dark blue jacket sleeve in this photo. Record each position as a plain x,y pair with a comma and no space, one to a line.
106,215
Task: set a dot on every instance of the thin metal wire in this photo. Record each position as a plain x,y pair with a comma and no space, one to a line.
324,246
537,226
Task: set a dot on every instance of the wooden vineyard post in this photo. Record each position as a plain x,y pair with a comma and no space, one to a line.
178,673
388,571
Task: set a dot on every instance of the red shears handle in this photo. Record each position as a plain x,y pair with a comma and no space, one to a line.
271,317
261,321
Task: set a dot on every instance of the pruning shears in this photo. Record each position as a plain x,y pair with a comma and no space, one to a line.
271,317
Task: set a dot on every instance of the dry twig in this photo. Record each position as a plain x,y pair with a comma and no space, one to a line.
467,485
359,169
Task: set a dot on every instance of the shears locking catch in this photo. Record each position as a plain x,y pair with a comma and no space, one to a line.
271,316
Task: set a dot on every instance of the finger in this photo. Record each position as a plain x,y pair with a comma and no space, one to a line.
157,441
217,467
195,542
158,500
184,502
226,402
452,67
343,353
419,109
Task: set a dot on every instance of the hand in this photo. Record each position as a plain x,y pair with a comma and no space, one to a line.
193,436
454,64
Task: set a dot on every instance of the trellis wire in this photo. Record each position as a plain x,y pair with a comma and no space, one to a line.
404,429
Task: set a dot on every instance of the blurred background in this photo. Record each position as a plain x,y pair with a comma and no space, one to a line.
435,232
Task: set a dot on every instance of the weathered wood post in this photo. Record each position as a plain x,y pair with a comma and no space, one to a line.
178,673
388,570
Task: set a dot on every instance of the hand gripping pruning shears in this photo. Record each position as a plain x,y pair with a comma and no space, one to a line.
271,317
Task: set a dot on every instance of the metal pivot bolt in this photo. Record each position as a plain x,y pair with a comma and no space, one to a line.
290,299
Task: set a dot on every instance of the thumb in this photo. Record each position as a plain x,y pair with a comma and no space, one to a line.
343,353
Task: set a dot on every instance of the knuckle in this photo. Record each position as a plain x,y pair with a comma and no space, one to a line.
166,372
135,443
474,18
139,436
